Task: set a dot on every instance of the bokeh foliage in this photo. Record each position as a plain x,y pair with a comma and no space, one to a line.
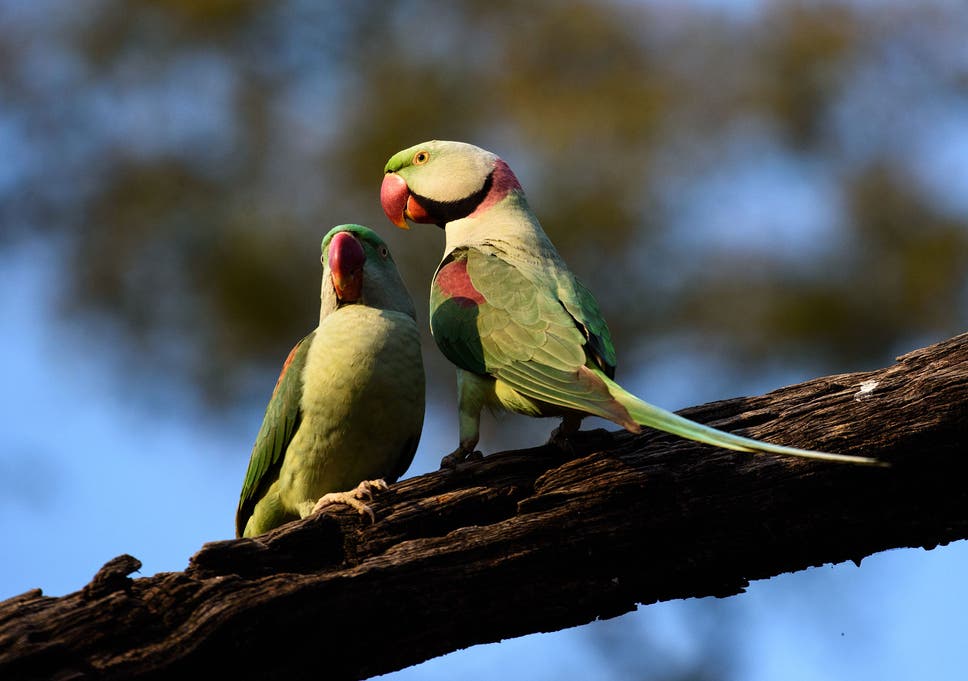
768,184
190,155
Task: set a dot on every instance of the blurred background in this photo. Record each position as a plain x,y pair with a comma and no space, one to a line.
758,192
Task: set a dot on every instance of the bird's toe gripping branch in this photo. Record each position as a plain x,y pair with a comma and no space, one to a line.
560,436
459,456
354,498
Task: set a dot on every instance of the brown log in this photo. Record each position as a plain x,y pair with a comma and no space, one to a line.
533,540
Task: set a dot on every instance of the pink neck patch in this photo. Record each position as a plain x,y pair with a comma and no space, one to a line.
503,183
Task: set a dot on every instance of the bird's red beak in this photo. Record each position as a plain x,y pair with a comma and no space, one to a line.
399,204
346,258
394,194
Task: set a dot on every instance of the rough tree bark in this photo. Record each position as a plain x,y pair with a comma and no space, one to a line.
533,540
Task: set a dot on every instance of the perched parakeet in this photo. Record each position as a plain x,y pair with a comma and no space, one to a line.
348,407
525,334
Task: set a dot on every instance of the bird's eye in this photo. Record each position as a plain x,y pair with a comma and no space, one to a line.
322,258
384,252
421,157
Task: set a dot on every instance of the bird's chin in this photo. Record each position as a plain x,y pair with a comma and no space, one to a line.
416,212
348,294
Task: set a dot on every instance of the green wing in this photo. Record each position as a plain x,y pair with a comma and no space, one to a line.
454,313
582,306
278,426
488,317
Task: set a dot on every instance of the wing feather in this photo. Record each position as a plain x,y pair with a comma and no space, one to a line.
279,424
488,317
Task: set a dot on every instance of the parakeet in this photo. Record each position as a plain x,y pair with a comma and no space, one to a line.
524,332
348,407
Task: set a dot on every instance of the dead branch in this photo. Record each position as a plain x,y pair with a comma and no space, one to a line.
533,540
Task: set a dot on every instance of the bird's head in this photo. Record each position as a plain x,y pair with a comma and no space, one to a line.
439,182
358,269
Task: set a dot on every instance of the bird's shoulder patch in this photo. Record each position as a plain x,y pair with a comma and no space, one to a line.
456,306
289,359
454,282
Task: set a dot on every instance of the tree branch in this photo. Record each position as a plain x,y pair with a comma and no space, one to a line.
533,540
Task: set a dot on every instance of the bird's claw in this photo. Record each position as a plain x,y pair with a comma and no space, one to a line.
561,436
354,498
561,441
459,456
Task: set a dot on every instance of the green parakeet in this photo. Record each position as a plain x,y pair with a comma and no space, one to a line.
525,334
348,407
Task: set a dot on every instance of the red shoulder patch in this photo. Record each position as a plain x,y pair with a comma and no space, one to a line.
454,282
285,367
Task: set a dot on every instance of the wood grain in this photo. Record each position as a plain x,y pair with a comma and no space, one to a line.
533,540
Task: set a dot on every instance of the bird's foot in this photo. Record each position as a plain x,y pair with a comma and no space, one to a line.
354,498
561,436
460,455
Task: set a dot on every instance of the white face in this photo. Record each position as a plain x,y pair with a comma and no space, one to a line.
459,170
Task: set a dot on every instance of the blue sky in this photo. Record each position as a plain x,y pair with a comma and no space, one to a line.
87,474
94,464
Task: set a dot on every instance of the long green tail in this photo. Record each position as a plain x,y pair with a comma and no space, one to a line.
649,415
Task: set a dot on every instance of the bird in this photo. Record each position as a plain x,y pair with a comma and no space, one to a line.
347,410
525,334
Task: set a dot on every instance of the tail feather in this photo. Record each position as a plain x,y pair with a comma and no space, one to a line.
655,417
